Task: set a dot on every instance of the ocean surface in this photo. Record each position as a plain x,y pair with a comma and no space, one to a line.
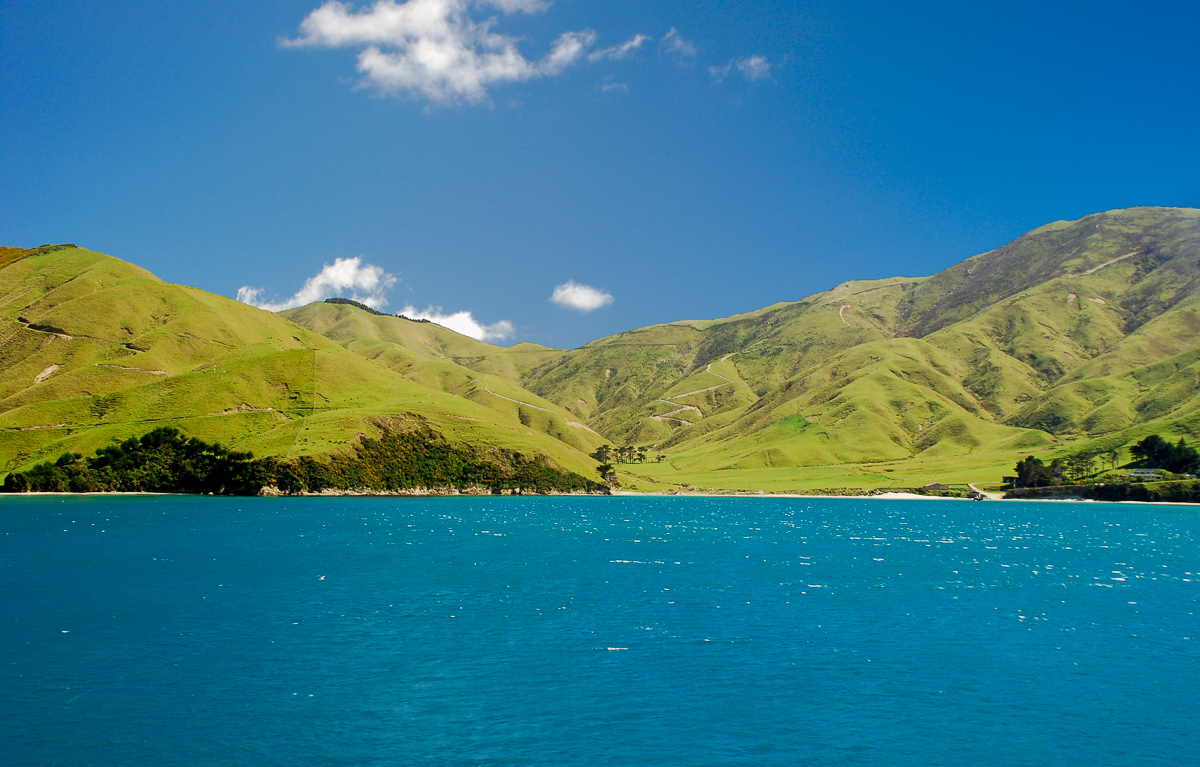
596,631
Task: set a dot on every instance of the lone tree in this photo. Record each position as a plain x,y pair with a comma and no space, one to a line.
607,474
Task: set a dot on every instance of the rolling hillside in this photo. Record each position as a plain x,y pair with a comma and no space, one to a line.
1078,331
1079,334
441,359
94,349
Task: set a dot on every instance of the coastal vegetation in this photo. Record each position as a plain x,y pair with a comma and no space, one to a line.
1152,452
162,461
415,459
1187,491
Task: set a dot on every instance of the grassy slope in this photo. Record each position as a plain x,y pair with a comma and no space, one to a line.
1078,334
118,351
1082,332
441,359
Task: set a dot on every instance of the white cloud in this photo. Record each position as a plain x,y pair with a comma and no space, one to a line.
752,68
755,68
677,45
433,49
582,298
366,284
566,51
622,51
518,6
462,322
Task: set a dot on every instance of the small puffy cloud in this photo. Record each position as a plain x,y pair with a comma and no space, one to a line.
462,322
754,68
366,284
622,51
434,49
676,45
583,298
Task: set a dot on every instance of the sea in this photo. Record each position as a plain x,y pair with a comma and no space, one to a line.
173,630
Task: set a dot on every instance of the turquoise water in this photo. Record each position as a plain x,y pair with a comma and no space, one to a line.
592,631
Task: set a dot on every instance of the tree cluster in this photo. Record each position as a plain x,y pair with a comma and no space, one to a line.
1080,466
626,454
1032,472
349,302
1179,458
420,459
608,455
163,461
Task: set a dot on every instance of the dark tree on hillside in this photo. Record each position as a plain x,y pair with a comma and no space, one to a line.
1179,458
1153,448
602,453
1186,460
1033,473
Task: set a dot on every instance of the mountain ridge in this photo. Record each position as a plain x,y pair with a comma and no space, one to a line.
984,362
1077,334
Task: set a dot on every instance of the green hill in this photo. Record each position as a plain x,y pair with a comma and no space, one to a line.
441,359
1082,334
93,349
1082,330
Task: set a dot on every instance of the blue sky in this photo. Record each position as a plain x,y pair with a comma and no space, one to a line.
760,152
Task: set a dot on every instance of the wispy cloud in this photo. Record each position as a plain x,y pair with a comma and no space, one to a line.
622,51
676,45
433,49
366,284
583,298
462,322
753,68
